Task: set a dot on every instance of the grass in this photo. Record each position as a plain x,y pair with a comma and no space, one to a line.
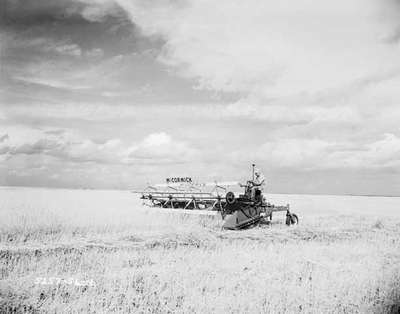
101,252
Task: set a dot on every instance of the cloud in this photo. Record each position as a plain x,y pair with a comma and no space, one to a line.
55,143
304,153
295,63
321,69
161,148
63,42
98,10
73,147
381,153
316,154
48,10
95,53
292,113
309,85
43,45
270,48
4,138
67,49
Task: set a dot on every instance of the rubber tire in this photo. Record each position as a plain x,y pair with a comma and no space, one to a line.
294,220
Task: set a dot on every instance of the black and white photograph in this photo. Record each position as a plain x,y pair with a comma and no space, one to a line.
197,156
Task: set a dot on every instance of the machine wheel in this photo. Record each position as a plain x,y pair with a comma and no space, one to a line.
230,198
292,219
295,219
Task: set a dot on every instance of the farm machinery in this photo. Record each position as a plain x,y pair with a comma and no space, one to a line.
186,195
251,208
238,212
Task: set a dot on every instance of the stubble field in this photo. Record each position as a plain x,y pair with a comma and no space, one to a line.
81,251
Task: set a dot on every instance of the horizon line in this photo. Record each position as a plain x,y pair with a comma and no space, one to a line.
130,190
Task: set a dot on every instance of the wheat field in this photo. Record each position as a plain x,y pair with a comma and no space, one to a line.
82,251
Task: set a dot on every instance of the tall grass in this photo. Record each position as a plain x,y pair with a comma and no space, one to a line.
53,242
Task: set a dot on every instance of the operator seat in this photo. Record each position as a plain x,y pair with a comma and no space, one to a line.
258,196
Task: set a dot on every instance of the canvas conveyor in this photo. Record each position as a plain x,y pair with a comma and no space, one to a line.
184,200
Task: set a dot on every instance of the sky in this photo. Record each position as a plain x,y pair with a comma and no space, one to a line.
121,93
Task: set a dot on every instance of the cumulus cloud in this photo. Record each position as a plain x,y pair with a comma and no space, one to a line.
321,64
73,147
312,83
56,143
161,148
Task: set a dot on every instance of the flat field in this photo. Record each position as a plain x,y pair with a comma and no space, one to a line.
82,251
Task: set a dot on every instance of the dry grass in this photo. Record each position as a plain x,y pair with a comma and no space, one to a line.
344,257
